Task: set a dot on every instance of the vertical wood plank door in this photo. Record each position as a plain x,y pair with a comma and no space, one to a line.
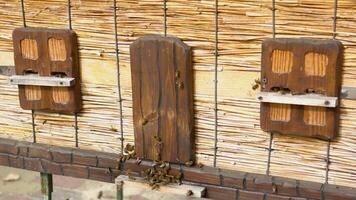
162,86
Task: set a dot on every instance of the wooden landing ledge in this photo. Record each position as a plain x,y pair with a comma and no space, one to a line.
219,183
304,100
36,80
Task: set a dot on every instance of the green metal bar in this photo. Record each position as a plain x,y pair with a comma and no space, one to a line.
120,190
46,186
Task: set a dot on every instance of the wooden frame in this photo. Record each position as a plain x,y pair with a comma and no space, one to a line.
50,54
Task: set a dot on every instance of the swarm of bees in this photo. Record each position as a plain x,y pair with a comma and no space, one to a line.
159,174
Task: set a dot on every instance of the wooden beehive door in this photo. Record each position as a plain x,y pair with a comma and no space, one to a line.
162,98
47,53
301,67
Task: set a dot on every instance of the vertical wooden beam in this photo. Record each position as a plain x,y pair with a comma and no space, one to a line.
46,186
120,190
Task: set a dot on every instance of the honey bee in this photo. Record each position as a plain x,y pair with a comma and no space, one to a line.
256,84
189,163
189,193
138,161
129,174
200,165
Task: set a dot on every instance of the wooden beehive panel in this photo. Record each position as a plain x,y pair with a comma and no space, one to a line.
162,98
301,66
47,52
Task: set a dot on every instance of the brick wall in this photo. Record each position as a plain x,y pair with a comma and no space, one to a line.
220,184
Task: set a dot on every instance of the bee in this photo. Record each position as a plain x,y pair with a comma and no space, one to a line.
108,171
129,174
257,84
100,194
189,193
189,163
119,159
200,165
276,89
274,188
112,128
163,165
157,138
155,187
144,121
179,176
138,161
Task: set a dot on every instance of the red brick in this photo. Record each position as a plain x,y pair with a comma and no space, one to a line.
61,155
23,149
260,183
222,193
332,192
100,174
39,151
8,146
84,157
33,164
285,186
4,159
52,167
17,161
247,195
108,161
309,189
205,175
233,179
136,168
276,197
77,171
115,174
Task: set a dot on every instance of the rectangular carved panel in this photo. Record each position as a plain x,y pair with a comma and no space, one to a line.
47,53
298,67
162,98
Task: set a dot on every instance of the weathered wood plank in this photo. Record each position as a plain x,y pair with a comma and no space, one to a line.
162,96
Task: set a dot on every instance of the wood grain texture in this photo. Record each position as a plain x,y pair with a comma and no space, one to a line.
316,68
47,52
162,98
282,61
280,112
315,64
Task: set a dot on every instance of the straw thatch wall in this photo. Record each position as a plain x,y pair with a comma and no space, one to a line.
242,25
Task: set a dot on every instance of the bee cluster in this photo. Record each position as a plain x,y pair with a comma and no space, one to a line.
129,153
159,174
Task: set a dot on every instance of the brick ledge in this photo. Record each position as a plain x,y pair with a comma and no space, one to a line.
220,184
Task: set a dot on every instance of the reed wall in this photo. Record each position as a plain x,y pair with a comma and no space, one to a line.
236,43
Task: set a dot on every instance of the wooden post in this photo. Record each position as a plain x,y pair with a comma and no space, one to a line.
46,186
120,190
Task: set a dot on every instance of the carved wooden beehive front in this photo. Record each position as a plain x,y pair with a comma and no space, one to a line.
162,99
47,53
301,67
